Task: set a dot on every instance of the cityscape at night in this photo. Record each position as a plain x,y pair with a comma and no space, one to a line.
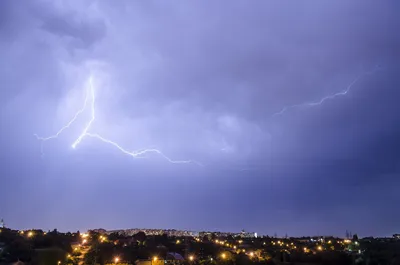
160,246
202,132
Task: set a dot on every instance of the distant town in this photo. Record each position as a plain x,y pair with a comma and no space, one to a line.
160,246
174,233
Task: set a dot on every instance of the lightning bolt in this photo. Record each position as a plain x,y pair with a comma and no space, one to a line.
85,133
333,96
79,112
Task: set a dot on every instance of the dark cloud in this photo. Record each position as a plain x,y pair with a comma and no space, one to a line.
202,81
82,32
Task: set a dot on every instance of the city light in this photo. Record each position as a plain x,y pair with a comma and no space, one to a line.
253,250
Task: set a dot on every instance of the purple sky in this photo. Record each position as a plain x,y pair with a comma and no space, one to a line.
202,80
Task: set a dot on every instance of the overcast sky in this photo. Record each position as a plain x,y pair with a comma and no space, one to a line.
290,108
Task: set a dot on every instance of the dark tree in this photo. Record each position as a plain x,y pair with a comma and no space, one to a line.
140,237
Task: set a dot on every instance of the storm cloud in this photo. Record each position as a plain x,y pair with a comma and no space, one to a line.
201,81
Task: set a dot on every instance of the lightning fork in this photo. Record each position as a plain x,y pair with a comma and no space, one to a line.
85,132
321,101
140,153
87,127
54,136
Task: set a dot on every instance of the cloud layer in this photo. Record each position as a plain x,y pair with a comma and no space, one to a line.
202,81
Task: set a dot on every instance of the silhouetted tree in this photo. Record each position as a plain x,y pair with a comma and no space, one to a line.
140,237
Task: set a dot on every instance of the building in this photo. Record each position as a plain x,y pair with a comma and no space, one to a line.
396,236
171,259
174,258
149,262
245,234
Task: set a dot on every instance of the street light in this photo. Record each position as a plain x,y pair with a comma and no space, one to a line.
116,260
223,255
191,258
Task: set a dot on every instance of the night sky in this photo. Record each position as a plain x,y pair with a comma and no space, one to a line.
256,92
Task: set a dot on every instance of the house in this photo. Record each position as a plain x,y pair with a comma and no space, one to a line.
172,258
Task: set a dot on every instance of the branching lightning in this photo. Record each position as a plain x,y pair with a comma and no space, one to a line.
79,112
93,115
333,96
85,133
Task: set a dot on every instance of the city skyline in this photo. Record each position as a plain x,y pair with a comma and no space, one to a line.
195,233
